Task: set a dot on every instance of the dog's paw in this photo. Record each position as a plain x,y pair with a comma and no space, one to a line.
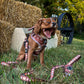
28,69
43,64
20,57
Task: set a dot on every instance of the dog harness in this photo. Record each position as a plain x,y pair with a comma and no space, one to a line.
26,43
39,40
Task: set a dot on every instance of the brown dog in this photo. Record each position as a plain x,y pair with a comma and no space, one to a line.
43,30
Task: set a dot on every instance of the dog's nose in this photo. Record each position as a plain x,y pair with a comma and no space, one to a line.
54,23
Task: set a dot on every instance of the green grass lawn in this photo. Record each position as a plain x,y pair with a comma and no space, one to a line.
55,56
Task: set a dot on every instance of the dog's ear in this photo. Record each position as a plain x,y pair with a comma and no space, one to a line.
37,28
40,21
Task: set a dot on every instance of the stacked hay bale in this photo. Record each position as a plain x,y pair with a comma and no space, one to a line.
58,33
1,9
18,38
20,14
52,43
15,14
6,31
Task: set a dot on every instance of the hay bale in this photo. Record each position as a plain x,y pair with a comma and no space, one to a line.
6,31
18,39
2,11
20,14
52,43
58,33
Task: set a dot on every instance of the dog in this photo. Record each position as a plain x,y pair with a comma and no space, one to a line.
37,40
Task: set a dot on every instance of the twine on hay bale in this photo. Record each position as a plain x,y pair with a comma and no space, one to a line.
20,14
6,31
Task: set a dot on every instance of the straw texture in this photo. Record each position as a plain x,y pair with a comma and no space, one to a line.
15,14
6,31
19,14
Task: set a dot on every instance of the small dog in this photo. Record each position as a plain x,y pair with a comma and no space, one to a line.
37,40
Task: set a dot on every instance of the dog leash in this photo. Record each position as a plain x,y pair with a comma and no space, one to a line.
8,64
67,69
24,77
31,28
26,42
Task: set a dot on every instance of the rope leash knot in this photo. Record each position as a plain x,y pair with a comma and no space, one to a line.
67,68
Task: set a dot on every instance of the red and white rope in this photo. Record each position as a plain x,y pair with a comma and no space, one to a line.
26,53
53,69
24,76
8,63
74,60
